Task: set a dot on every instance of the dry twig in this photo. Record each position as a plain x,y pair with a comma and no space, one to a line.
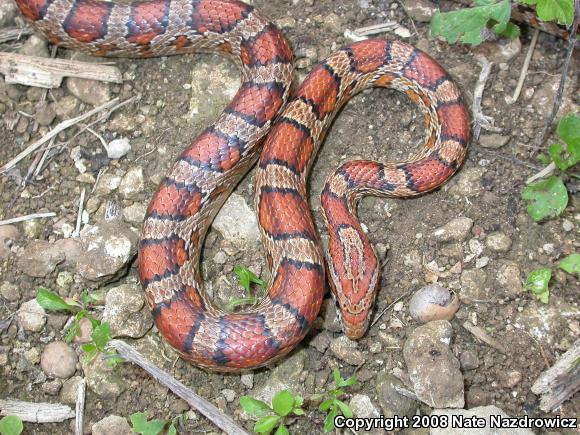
524,71
28,217
80,408
12,33
484,336
36,412
479,119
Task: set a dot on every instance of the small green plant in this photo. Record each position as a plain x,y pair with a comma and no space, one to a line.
247,278
11,425
548,198
283,404
101,334
333,406
538,280
143,426
468,24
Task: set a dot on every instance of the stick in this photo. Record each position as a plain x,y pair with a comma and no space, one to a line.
561,381
80,408
479,119
376,28
543,173
36,412
523,73
28,217
11,33
77,230
217,417
60,127
484,336
558,97
48,73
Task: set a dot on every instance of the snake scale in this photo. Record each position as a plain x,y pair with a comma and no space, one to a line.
283,132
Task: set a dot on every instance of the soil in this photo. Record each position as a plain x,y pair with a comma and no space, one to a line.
377,124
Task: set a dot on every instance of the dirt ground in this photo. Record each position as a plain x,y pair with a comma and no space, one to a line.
178,101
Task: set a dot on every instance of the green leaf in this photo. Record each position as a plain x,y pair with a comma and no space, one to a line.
346,411
71,331
254,406
247,277
298,411
571,264
283,402
537,283
544,159
326,404
511,31
266,424
171,430
50,301
467,24
569,129
329,420
11,425
554,10
547,198
102,335
144,427
281,430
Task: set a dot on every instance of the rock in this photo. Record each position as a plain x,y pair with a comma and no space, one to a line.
510,378
89,91
71,248
229,395
483,412
419,10
320,341
135,213
8,12
498,242
247,379
331,322
363,407
39,258
237,223
433,369
509,278
85,331
107,183
67,107
132,182
346,350
473,285
392,402
33,228
35,46
493,140
500,51
31,316
102,380
468,183
469,360
107,246
8,233
52,387
117,148
112,425
433,302
126,312
32,355
69,390
10,291
455,230
333,23
44,114
58,360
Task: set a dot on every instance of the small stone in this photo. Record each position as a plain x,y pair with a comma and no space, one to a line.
288,22
69,390
237,222
473,285
39,258
469,360
8,12
85,331
32,355
133,182
65,279
102,380
321,341
567,225
331,321
509,278
31,316
8,233
481,262
468,183
402,31
117,148
511,378
10,291
333,23
112,425
58,360
392,402
493,140
89,91
67,107
498,242
247,379
376,347
420,10
455,230
433,369
52,387
230,395
126,312
35,46
362,407
346,350
135,213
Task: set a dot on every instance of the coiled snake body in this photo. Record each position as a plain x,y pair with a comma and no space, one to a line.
205,173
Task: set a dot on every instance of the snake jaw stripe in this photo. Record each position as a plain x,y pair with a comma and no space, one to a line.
205,173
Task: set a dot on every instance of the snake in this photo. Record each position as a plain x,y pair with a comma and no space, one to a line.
281,131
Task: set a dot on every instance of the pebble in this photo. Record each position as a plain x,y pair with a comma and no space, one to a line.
498,242
509,278
469,360
91,92
331,321
346,350
8,12
247,379
10,291
391,401
468,183
32,229
39,258
321,341
117,148
481,412
35,46
432,366
362,406
567,225
455,230
419,10
102,380
112,425
135,213
126,312
31,316
52,387
237,222
132,182
58,360
230,395
511,378
69,390
473,285
44,113
8,233
493,140
32,355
